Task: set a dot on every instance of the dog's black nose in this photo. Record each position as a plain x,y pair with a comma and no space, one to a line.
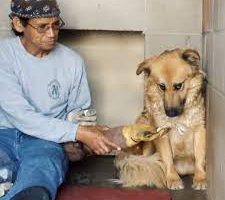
173,112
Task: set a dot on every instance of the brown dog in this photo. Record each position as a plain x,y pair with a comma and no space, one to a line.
173,99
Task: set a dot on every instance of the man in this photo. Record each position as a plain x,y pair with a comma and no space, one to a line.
41,81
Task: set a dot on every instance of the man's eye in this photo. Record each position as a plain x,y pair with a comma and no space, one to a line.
56,23
42,27
178,86
162,86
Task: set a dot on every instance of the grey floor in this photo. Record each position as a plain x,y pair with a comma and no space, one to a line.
99,170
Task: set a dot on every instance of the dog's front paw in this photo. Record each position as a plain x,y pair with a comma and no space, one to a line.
199,180
175,183
199,184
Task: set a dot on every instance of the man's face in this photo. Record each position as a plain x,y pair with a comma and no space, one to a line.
41,34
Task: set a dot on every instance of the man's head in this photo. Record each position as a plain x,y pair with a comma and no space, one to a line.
37,22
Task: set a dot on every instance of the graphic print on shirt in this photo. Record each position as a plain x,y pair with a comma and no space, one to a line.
54,88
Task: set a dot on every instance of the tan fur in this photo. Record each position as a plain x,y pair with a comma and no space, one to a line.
133,170
183,150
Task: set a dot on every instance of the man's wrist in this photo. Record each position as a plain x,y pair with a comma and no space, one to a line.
80,133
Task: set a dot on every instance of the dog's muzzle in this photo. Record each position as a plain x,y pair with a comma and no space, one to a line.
173,112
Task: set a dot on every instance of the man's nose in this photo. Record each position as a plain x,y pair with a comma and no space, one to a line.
51,32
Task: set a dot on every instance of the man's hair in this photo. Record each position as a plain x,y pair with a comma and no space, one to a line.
24,22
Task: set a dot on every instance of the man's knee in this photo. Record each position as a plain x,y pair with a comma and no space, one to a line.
52,164
42,170
47,165
47,154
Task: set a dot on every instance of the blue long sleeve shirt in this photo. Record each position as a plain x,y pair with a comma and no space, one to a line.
36,94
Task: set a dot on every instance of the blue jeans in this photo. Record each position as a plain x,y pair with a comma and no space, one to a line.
38,162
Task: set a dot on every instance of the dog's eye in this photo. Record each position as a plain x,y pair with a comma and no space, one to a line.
162,86
177,86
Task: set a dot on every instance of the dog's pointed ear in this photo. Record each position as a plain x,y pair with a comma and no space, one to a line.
145,66
192,57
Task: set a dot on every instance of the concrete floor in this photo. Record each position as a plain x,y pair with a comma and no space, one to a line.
99,170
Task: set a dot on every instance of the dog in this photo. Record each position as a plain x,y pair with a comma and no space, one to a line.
173,98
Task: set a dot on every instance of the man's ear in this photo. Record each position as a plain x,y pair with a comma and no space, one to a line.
145,66
17,24
192,57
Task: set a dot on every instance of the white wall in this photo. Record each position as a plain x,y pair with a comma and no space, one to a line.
166,24
104,15
215,62
171,24
4,11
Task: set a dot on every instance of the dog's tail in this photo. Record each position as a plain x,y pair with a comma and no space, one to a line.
136,170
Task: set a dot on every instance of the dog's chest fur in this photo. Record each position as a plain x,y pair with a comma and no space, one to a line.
182,144
182,127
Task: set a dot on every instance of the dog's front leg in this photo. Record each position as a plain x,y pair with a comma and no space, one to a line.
173,180
199,180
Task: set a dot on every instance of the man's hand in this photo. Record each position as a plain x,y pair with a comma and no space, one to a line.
94,138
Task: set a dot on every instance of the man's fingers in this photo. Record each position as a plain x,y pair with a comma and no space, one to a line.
100,151
97,152
103,147
111,144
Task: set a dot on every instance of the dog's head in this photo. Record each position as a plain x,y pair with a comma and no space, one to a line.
170,74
